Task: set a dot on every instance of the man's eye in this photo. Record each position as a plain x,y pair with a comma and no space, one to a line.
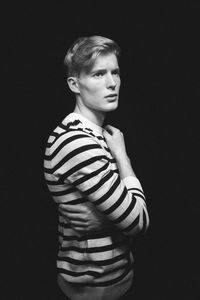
116,72
98,74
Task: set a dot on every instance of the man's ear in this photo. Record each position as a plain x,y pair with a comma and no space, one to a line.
73,84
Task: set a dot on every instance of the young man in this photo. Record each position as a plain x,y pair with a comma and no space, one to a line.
89,174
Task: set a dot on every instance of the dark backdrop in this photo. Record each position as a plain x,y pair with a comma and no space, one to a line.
158,114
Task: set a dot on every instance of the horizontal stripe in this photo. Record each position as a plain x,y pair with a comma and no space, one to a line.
89,129
117,203
94,262
91,236
93,249
127,269
60,135
52,137
94,274
75,153
91,175
127,212
99,184
109,192
63,144
136,189
132,225
80,166
100,138
139,195
60,193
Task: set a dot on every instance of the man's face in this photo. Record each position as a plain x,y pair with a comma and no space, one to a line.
99,89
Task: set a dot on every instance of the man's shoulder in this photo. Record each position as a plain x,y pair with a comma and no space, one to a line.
73,129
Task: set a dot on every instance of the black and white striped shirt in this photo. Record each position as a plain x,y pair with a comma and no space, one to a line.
79,169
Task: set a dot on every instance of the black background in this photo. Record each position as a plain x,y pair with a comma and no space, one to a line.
158,114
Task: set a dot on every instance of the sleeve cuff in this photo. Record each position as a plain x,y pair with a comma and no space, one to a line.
132,182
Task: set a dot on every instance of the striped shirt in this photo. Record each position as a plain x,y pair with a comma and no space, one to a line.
80,170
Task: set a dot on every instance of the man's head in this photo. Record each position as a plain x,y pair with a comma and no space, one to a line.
83,53
93,74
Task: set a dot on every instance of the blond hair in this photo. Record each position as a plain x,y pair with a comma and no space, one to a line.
84,51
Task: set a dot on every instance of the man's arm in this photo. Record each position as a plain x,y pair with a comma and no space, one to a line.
119,197
85,218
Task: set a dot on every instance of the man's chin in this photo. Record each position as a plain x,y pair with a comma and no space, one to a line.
112,107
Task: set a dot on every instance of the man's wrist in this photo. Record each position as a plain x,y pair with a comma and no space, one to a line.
122,158
124,166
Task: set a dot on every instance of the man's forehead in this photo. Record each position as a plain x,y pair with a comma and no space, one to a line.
104,61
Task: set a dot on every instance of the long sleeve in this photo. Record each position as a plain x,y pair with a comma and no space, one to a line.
80,170
81,162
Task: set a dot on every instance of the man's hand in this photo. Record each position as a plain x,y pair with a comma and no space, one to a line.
84,218
115,141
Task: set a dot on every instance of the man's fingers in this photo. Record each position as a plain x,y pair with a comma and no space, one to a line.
76,223
106,134
110,127
111,130
72,208
81,230
74,217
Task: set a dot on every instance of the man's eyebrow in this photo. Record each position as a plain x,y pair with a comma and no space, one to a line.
104,70
98,70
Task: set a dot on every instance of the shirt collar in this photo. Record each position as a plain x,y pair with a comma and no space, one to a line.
86,123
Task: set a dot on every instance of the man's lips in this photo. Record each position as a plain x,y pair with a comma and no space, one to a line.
111,96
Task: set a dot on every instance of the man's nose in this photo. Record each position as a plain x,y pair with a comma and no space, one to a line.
111,83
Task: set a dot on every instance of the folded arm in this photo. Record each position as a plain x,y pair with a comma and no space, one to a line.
85,218
118,198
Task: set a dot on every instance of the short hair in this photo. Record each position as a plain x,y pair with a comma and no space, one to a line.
84,51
